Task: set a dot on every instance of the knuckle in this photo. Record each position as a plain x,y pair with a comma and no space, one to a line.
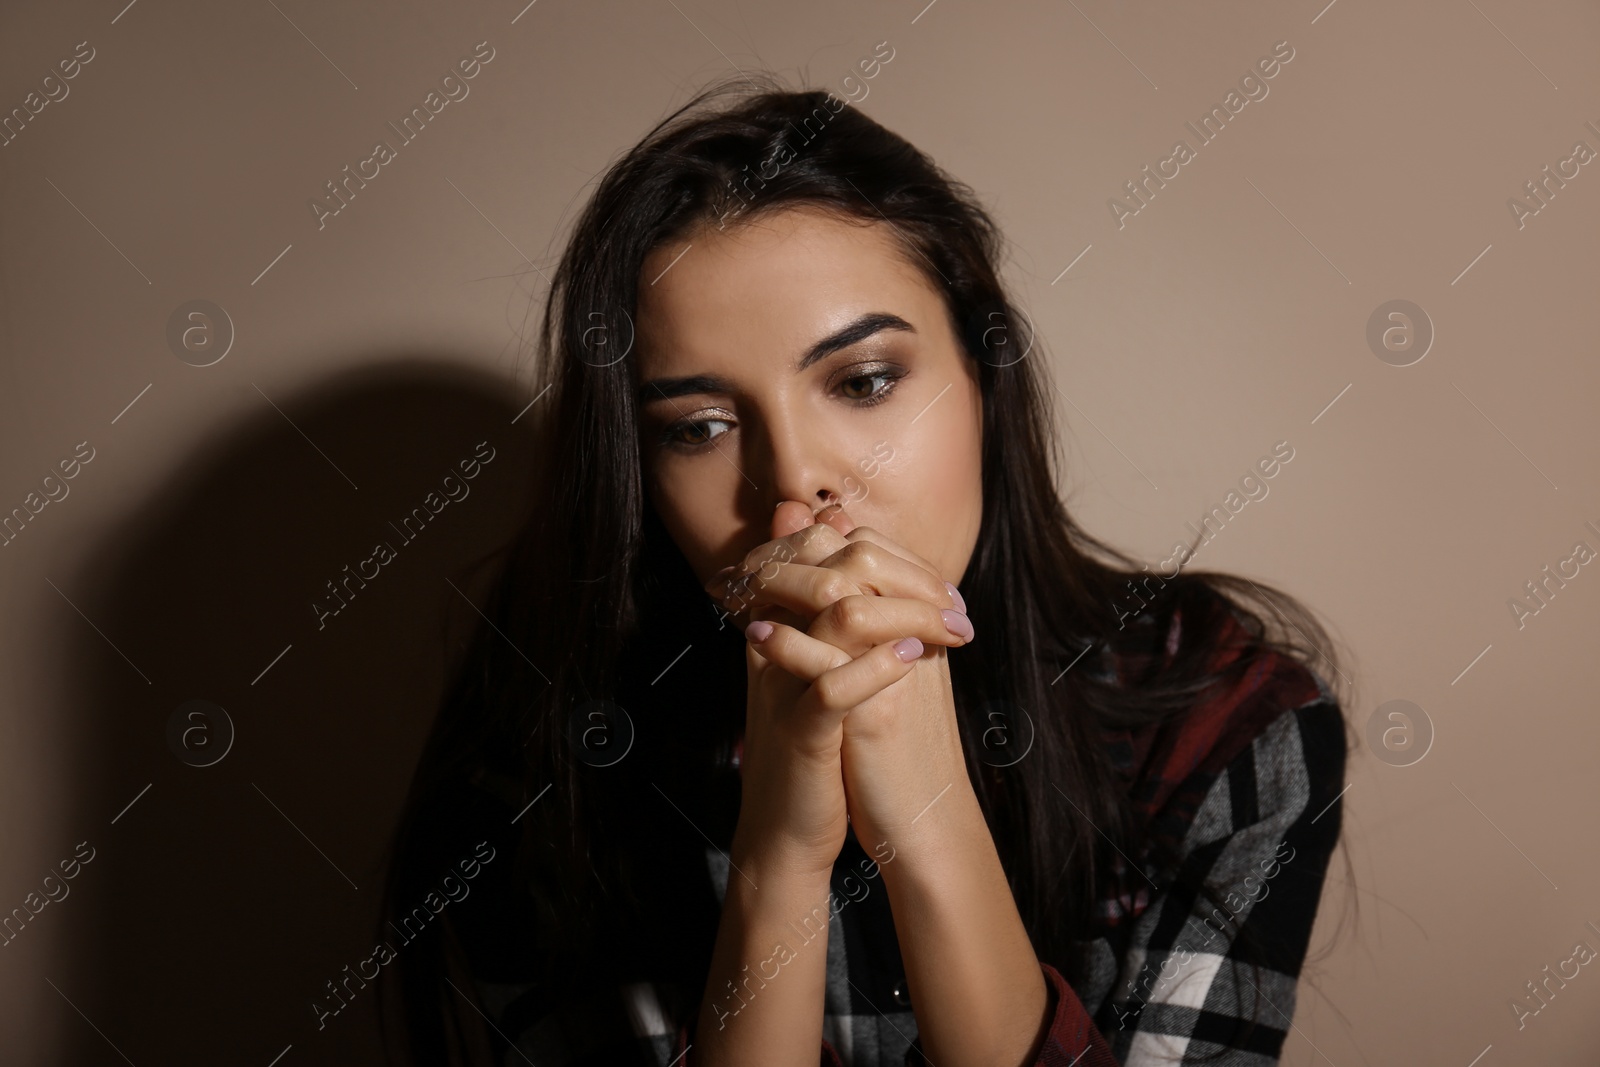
887,668
862,555
852,612
836,587
830,687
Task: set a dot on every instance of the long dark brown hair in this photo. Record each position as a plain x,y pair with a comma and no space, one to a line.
594,611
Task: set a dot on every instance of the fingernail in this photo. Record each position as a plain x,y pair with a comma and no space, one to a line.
958,624
908,649
759,631
955,595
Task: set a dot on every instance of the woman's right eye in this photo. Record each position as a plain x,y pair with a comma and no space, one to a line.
698,440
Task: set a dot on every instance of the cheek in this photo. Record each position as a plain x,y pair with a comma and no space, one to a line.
696,508
949,470
937,495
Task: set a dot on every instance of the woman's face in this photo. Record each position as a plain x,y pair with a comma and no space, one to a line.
800,357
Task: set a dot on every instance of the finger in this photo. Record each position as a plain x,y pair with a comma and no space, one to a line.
947,591
748,613
854,683
801,589
790,522
738,606
790,516
809,544
835,516
876,563
856,614
879,538
882,571
741,610
838,681
777,644
793,518
857,623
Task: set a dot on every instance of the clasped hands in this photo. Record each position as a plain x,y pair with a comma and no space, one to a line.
820,596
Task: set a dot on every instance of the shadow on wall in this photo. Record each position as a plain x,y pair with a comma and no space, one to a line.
308,594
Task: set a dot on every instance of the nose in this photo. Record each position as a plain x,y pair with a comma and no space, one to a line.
803,463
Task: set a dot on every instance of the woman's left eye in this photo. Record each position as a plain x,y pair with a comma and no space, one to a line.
876,396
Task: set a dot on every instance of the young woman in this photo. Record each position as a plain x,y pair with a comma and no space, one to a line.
806,725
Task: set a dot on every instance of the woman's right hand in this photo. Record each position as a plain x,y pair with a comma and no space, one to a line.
792,813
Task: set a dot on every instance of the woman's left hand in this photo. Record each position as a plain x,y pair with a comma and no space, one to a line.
853,587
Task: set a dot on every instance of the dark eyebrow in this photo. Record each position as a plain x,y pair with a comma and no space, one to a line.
854,332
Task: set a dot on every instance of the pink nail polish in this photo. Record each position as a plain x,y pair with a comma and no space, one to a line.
759,631
955,595
958,624
908,649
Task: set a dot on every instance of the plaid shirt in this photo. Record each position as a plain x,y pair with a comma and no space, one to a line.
1244,791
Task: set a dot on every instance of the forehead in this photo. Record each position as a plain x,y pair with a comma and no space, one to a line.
770,287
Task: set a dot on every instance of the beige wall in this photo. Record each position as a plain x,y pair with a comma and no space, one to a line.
379,350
